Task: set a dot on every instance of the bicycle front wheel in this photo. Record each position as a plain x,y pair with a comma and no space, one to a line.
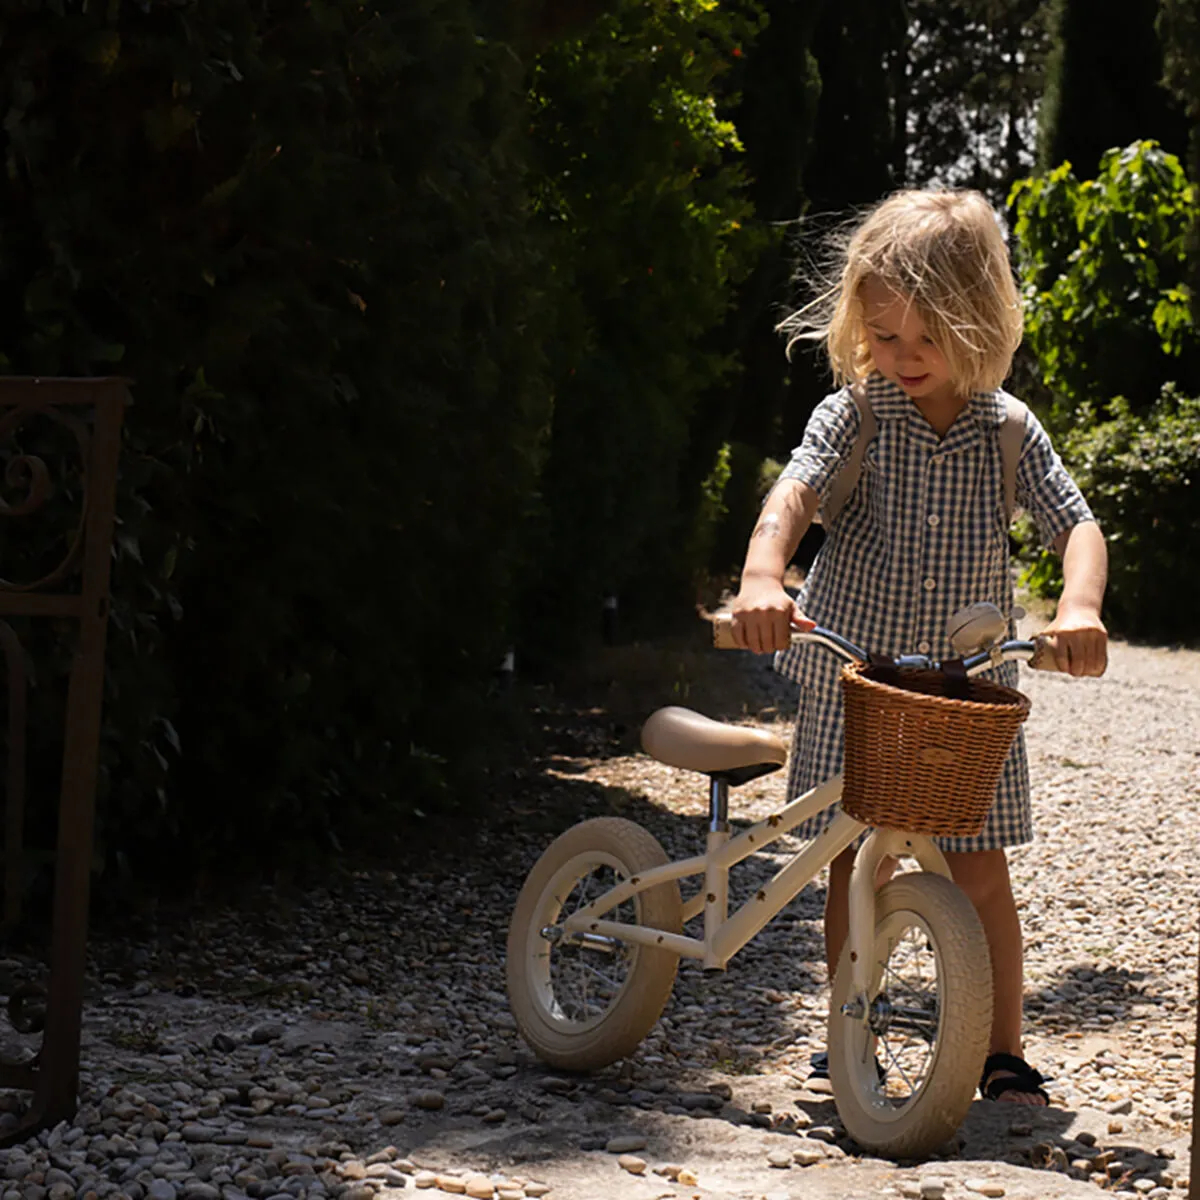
583,1003
904,1077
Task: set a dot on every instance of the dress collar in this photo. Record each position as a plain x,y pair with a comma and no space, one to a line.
889,402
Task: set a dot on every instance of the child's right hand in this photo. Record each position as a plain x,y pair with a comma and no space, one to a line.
764,616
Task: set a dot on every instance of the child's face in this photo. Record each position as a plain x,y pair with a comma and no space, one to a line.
902,350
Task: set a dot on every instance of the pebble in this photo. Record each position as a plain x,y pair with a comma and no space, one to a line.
984,1187
632,1164
261,1050
625,1144
780,1158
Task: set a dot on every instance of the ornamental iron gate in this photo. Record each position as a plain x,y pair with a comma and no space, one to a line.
82,419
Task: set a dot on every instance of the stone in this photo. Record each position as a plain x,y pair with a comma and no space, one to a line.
632,1164
984,1187
625,1143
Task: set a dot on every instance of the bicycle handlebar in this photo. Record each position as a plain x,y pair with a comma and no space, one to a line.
1037,652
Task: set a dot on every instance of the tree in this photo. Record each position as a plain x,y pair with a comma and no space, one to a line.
640,195
973,74
1179,29
779,86
1104,84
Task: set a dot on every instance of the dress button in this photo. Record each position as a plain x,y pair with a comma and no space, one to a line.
933,520
923,647
930,584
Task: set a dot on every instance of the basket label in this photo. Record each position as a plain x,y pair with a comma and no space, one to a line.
936,756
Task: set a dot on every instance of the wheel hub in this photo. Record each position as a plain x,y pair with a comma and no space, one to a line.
880,1015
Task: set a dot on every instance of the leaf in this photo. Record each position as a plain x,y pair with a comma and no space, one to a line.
101,48
164,127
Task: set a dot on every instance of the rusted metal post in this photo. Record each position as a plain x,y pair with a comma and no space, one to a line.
91,410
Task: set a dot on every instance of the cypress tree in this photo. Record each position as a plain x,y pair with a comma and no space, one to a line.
1104,85
1179,28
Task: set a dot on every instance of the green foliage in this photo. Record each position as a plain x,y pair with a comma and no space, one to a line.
417,329
713,509
1139,471
1103,264
304,232
1102,267
647,217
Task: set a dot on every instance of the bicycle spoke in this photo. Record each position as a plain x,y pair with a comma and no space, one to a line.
909,1020
582,991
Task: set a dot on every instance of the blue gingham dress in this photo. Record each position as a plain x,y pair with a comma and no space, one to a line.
924,533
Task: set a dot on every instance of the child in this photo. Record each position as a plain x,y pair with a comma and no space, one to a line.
925,318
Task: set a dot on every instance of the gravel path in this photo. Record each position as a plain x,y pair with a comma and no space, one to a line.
353,1041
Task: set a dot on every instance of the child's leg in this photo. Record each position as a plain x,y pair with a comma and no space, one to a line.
983,875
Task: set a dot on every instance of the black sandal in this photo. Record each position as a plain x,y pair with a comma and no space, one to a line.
820,1067
1023,1078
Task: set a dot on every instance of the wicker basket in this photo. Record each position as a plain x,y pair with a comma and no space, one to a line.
918,760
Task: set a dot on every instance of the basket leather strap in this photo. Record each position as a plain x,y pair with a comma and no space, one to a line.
958,686
884,669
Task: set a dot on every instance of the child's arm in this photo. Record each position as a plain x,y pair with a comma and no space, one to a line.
1082,640
764,612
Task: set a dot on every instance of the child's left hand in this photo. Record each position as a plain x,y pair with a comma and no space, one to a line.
1080,640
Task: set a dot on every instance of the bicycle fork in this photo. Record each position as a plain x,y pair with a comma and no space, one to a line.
880,843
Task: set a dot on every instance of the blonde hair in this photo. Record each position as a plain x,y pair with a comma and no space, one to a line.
943,251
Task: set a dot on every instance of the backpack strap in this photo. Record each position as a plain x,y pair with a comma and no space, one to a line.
846,480
1012,438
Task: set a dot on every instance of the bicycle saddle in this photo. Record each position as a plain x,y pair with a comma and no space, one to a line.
680,737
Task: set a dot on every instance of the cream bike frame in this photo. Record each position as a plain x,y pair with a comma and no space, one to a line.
726,934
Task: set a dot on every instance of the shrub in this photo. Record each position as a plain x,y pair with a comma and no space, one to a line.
304,232
645,208
1102,265
1139,472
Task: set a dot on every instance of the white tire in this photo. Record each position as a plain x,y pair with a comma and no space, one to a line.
583,1006
929,1021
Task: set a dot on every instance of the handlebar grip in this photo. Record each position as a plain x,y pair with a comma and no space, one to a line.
722,632
1045,657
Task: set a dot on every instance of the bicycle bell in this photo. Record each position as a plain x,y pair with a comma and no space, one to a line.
975,628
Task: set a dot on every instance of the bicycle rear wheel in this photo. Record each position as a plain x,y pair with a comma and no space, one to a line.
928,1020
584,1003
